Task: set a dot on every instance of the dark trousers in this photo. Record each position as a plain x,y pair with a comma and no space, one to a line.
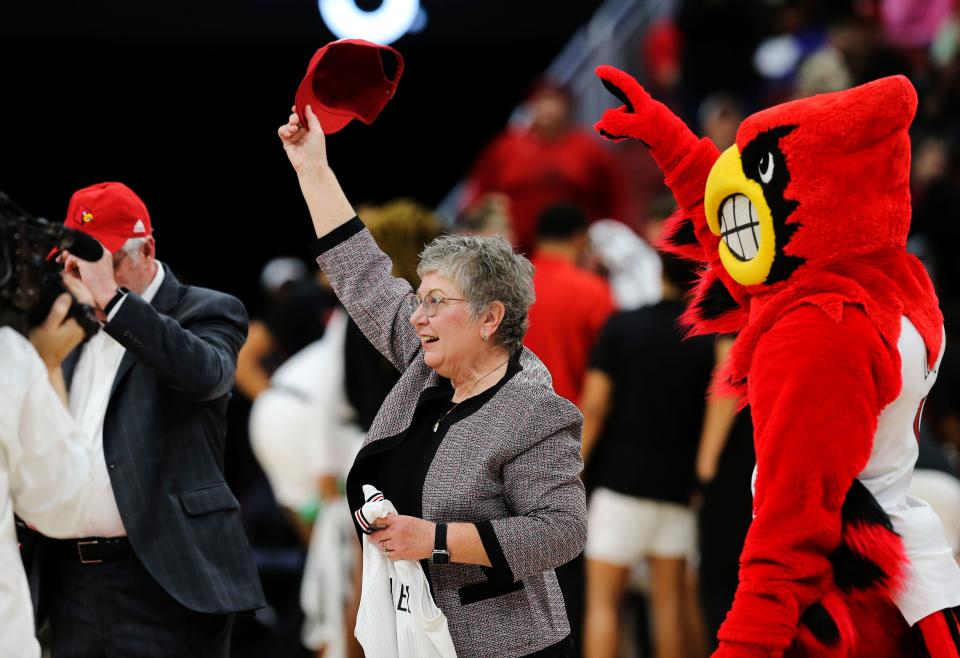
115,609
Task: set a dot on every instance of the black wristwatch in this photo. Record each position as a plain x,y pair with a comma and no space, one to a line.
121,293
440,553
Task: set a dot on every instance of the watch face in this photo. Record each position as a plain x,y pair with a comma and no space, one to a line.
441,557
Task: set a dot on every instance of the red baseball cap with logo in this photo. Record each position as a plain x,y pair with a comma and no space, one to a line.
346,80
110,212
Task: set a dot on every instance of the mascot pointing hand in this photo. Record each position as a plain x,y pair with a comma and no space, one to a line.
800,228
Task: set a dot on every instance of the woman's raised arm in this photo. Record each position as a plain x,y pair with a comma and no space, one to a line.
359,271
306,148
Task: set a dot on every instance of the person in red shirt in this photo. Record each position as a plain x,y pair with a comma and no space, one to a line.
550,161
572,304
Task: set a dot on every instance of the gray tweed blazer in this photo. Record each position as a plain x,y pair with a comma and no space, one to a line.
512,467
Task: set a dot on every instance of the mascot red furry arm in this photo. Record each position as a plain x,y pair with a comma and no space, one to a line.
819,442
800,228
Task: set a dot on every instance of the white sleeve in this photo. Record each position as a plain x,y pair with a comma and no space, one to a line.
329,408
47,454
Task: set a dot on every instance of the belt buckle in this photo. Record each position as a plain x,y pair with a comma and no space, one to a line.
83,560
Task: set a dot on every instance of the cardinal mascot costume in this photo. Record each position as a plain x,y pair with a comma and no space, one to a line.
800,228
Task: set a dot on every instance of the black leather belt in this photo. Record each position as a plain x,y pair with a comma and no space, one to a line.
94,550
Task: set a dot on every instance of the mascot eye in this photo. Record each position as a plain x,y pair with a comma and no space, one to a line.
765,168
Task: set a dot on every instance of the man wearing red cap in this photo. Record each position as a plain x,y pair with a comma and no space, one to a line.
163,562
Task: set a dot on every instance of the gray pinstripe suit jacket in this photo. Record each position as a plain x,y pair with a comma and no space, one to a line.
512,468
163,440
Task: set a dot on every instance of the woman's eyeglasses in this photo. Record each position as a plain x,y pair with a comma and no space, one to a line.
431,302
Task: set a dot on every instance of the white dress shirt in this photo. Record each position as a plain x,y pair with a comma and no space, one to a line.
89,397
44,477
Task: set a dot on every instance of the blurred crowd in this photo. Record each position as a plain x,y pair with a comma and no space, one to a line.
605,324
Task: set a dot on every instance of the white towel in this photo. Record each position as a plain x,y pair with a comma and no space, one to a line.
398,617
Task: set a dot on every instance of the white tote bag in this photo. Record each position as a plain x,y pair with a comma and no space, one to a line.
398,617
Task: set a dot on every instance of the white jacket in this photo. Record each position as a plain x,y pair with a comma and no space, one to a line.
302,427
398,617
44,478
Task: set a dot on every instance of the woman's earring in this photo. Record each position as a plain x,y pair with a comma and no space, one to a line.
484,336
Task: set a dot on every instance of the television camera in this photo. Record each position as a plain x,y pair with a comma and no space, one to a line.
30,278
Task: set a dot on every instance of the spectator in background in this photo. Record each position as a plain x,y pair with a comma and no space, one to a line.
489,215
661,51
823,71
643,406
627,262
547,162
913,24
570,308
725,461
572,304
720,115
280,273
861,40
295,316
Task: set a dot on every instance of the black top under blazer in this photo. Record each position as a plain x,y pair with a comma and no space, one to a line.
512,467
164,437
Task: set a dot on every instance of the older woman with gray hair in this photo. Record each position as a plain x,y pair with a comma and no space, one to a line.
478,454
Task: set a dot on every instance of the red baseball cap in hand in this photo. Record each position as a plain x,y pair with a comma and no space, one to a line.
348,79
110,212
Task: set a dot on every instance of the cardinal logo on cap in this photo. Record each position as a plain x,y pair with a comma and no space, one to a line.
86,216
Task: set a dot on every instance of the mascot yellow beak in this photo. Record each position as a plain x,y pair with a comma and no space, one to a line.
738,212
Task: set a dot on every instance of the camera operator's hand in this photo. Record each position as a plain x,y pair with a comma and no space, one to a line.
98,277
54,339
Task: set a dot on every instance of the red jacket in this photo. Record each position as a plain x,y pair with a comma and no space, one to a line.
535,173
572,306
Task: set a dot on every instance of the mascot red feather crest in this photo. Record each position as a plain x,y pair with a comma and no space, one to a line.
800,228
